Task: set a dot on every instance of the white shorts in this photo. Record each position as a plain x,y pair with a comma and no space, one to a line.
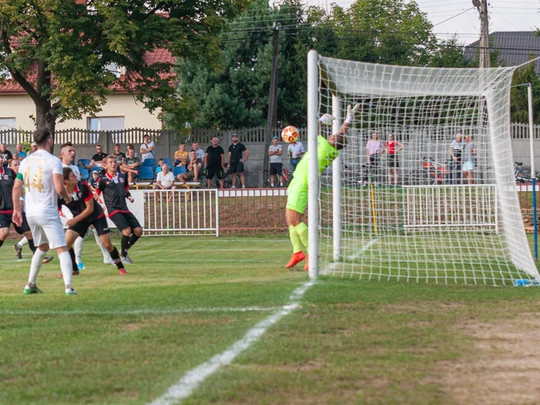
467,166
47,230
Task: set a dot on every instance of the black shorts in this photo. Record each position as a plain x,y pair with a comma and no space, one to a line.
393,161
212,171
124,220
275,168
236,167
374,160
7,219
99,223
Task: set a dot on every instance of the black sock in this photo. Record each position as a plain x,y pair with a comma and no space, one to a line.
31,245
132,239
116,258
1,243
124,245
73,261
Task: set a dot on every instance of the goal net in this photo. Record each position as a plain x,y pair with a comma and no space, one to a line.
432,196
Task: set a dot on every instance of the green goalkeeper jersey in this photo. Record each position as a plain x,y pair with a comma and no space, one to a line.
326,155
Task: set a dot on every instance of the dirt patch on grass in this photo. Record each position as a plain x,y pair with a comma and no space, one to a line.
505,368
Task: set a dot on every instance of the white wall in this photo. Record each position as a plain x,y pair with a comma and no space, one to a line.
21,107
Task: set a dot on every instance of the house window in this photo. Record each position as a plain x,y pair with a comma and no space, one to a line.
105,124
7,136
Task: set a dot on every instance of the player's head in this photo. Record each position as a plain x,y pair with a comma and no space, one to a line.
42,137
69,176
14,164
111,164
67,152
338,141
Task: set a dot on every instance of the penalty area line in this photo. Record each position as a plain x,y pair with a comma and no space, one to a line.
193,378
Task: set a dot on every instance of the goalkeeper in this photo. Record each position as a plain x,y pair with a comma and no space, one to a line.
297,199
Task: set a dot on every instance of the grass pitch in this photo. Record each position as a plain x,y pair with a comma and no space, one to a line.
126,340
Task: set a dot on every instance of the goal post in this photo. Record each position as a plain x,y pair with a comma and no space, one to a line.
435,201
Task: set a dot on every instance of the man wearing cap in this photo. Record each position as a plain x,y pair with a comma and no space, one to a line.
33,148
236,160
275,151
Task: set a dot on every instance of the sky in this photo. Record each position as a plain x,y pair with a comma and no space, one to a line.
461,17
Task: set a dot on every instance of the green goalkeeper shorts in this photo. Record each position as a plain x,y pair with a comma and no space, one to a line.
297,199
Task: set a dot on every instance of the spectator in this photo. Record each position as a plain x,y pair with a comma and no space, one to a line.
181,156
20,151
392,148
98,160
238,155
15,157
469,153
198,151
159,166
194,168
131,166
33,148
147,149
6,155
456,148
374,148
295,151
275,151
165,180
92,182
214,160
119,155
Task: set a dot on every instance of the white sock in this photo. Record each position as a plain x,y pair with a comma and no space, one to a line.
35,265
281,184
66,267
104,252
22,242
78,247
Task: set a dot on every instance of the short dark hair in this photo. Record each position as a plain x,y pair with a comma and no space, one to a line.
41,135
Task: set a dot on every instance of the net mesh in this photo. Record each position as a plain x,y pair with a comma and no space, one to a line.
429,204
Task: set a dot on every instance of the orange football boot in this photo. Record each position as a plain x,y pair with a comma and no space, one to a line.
295,259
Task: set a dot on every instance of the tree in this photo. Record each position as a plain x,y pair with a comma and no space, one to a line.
519,108
59,51
232,91
450,53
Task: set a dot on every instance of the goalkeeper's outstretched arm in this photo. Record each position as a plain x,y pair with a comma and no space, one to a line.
339,140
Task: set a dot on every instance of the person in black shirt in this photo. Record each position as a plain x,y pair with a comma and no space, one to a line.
236,160
6,155
98,158
120,156
214,160
86,212
115,189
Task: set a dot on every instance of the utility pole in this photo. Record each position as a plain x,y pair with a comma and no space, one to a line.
482,7
272,101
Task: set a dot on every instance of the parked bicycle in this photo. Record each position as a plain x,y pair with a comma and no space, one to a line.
522,174
431,173
286,175
227,180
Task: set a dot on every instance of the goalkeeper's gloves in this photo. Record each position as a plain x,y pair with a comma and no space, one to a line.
350,112
326,119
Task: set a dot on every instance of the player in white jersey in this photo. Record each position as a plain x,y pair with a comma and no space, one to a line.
67,154
41,174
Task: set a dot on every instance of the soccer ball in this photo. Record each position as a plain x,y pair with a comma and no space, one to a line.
290,134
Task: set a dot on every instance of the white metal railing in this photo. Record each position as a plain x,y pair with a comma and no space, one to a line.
178,212
450,207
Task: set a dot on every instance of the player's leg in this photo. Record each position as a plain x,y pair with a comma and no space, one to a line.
296,206
77,247
135,228
122,224
102,229
106,256
54,231
241,174
5,221
40,238
19,245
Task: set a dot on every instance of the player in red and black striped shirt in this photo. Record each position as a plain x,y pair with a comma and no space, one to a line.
115,189
85,213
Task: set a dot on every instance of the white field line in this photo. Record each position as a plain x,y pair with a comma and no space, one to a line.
333,266
193,378
164,311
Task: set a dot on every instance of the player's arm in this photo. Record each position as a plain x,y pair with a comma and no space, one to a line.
246,155
222,159
60,188
228,160
16,196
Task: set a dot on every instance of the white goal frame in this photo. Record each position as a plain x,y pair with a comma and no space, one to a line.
504,192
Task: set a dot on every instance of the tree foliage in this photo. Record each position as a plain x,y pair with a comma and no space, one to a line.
59,50
519,108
